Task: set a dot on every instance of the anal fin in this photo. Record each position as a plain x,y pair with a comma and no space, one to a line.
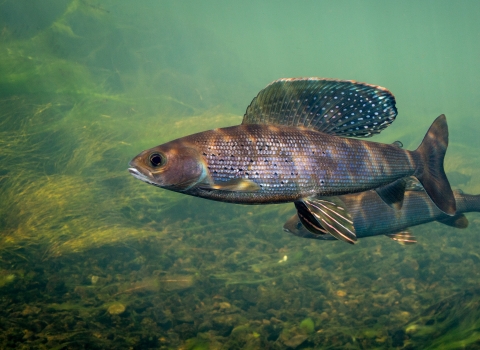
404,237
393,193
457,221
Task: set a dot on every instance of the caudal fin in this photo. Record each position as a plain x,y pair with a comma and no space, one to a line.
431,174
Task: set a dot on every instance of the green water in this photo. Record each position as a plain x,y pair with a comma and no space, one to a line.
92,258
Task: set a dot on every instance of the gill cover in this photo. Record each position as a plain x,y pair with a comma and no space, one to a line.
183,169
177,168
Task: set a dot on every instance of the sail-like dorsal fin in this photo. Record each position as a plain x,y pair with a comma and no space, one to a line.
338,107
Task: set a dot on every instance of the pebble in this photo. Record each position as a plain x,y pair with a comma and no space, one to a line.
116,309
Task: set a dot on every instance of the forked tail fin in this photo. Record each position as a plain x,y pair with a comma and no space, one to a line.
431,174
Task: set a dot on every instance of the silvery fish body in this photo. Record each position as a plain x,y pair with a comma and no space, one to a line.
372,217
293,144
288,163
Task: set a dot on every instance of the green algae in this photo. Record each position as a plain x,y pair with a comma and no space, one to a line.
307,325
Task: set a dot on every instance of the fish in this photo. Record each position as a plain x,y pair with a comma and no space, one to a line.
372,217
296,143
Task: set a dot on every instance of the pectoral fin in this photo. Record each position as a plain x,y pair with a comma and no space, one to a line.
295,227
393,193
236,185
404,237
330,214
458,221
308,220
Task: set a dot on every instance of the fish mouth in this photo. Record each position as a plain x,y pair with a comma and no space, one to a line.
145,178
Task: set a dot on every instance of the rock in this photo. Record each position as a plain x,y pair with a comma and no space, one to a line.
30,310
116,309
224,305
295,341
205,326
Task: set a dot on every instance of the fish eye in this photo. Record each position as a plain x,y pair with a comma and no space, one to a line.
157,159
298,226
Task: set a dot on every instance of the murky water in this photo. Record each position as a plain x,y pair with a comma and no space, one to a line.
92,258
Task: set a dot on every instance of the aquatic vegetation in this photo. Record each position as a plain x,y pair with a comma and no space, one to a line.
66,135
450,324
6,279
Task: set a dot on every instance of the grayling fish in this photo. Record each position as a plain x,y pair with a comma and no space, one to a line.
292,145
372,217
